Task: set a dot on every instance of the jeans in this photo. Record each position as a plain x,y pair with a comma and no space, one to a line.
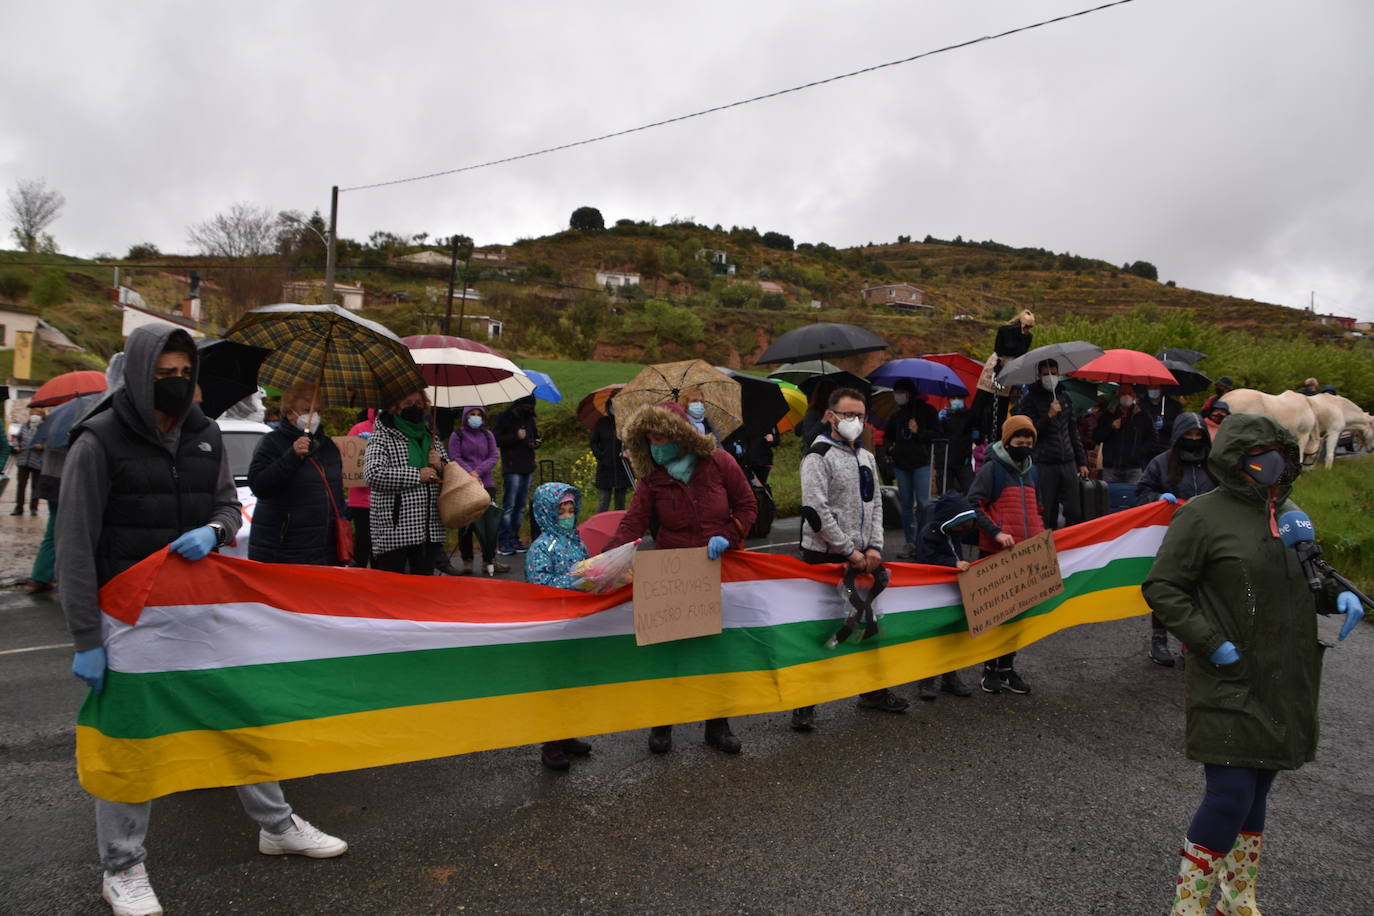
913,495
1235,800
517,491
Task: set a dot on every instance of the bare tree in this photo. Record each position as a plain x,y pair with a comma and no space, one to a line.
245,231
33,207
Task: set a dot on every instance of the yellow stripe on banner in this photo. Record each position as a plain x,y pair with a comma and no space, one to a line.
134,770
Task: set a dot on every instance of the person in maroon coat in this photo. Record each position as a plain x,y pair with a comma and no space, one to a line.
697,496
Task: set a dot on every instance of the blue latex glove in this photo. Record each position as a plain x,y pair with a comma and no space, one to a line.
1353,609
1168,498
89,665
715,547
944,412
1226,654
976,435
1159,422
195,544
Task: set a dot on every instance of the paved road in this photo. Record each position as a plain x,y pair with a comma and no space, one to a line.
1071,800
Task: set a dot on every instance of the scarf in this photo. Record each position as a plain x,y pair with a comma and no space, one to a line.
680,468
418,440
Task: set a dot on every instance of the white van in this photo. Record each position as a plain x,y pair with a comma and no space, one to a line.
241,438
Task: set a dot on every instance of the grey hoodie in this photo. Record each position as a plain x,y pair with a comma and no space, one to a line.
86,481
836,517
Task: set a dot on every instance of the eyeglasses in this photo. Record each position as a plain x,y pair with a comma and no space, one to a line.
850,415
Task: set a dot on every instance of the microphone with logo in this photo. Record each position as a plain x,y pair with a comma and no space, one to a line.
1296,531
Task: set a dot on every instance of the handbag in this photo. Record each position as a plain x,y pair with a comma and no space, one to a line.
343,531
462,498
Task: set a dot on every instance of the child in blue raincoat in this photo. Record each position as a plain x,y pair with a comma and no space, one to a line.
549,561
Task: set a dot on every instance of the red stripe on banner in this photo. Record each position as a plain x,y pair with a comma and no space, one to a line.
1110,527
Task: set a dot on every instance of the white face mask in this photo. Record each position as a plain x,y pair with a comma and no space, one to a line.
1050,382
850,428
1127,402
307,422
901,397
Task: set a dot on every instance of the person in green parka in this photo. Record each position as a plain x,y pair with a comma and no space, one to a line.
1226,585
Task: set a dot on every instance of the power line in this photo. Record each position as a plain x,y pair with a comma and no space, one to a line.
725,107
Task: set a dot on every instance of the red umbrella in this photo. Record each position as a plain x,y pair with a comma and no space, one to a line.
62,388
463,373
593,407
967,368
1126,366
596,531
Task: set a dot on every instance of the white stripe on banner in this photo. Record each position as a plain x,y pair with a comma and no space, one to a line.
196,637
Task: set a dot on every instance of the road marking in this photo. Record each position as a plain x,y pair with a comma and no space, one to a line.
56,645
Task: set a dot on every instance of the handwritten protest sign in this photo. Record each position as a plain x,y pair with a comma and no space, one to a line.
351,450
676,595
1003,585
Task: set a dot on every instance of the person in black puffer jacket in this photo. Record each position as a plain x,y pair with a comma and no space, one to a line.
1058,449
297,475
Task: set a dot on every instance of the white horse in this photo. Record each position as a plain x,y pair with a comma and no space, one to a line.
1353,418
1290,409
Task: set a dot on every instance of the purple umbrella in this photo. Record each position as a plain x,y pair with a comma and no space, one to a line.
928,376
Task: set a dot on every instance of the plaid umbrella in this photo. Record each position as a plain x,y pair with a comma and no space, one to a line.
665,381
355,362
462,372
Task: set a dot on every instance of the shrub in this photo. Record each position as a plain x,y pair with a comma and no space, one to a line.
142,251
13,286
51,289
1143,269
586,219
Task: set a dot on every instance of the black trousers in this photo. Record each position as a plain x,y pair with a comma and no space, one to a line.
418,560
361,517
1059,484
25,475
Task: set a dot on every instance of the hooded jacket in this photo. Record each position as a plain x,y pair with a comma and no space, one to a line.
405,512
936,545
716,500
1193,479
1222,573
517,455
1005,493
841,509
475,450
552,555
130,488
293,521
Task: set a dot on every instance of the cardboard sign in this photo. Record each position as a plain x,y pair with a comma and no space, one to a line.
997,588
351,450
676,595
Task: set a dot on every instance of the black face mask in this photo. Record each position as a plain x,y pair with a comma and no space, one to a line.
1018,453
1191,449
413,414
172,396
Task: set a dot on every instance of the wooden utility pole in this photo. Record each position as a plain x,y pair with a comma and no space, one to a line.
448,303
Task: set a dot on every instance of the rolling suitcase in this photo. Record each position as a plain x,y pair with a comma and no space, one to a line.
1093,498
1120,496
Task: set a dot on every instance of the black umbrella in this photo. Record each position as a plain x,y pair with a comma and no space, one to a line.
840,379
823,340
1190,381
761,402
228,373
1180,355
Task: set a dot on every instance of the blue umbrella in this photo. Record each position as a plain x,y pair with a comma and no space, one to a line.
544,388
57,425
928,376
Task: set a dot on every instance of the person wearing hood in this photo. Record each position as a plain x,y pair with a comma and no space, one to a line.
1127,438
1177,475
404,465
842,515
28,461
1226,585
907,437
1004,490
1222,386
297,475
146,471
1059,455
360,497
518,437
474,447
697,495
550,561
612,478
941,544
1213,416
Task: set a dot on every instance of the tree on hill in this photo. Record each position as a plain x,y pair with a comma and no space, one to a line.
778,240
586,219
33,207
142,251
243,232
1142,269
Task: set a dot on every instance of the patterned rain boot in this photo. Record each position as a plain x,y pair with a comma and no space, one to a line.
1235,894
1197,875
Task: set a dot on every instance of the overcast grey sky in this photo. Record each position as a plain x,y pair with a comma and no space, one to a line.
1226,141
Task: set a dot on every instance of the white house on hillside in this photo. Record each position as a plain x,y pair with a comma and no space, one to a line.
310,291
616,278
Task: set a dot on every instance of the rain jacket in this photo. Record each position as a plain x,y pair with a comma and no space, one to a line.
840,504
909,450
551,556
474,449
1193,479
716,500
1222,573
1006,495
936,545
293,521
517,455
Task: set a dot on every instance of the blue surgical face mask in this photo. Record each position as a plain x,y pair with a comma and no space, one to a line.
662,454
474,421
956,404
696,410
1153,393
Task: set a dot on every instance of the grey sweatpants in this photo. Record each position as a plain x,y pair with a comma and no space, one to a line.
120,827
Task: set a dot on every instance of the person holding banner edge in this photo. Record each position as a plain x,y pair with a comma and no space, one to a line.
697,495
1225,583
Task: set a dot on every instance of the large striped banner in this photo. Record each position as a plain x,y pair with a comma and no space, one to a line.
226,671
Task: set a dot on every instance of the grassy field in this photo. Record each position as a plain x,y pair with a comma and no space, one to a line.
1341,503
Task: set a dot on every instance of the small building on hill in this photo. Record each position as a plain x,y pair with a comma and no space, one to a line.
616,278
894,295
137,315
425,259
13,320
312,291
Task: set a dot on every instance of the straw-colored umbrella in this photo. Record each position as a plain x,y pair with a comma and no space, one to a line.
668,381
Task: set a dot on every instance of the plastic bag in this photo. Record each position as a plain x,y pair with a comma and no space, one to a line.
606,571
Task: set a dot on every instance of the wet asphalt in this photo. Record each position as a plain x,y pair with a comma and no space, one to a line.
1070,800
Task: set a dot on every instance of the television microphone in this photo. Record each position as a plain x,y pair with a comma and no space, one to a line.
1296,531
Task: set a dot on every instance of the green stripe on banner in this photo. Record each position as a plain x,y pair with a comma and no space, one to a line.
160,703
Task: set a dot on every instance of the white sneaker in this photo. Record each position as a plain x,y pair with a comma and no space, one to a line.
301,839
129,894
491,570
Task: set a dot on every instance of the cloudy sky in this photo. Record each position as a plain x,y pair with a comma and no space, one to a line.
1226,141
